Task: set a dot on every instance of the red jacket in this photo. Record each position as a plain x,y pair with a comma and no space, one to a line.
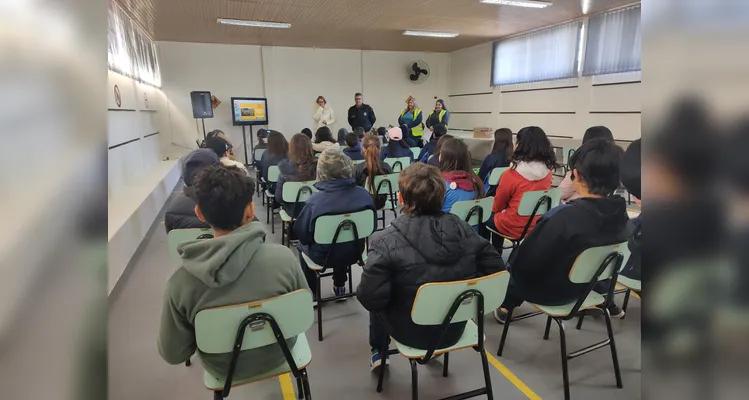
525,177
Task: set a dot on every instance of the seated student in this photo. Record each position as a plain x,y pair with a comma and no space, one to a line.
396,147
422,245
498,158
323,140
224,151
455,166
430,148
360,132
278,149
372,167
531,166
434,159
180,213
631,176
353,147
540,269
262,135
307,132
342,136
299,167
338,194
233,268
382,132
592,133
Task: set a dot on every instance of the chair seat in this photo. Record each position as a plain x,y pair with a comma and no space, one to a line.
311,265
301,353
470,338
387,207
285,217
591,301
629,283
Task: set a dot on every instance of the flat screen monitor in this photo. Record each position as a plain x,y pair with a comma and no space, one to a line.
249,110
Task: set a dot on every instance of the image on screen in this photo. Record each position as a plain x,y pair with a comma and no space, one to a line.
249,111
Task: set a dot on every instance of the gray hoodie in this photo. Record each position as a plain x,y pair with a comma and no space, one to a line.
232,269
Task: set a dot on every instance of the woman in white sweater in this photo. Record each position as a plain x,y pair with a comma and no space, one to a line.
322,114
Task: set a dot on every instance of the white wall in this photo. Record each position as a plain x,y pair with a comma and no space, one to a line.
563,108
291,78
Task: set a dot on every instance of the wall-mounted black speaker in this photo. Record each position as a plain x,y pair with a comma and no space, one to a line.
201,104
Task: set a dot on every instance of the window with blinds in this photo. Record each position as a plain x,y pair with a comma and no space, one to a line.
614,42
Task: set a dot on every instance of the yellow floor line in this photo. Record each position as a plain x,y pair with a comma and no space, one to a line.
511,377
287,387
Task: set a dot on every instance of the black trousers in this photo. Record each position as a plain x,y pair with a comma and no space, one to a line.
340,275
377,332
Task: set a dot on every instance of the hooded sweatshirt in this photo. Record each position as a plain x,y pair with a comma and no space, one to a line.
524,177
415,250
324,145
232,269
541,267
459,188
354,153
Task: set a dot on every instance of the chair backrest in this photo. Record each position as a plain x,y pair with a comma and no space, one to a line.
384,184
434,300
530,199
327,225
177,236
415,151
273,173
258,154
568,152
588,262
359,161
495,175
470,210
398,164
216,328
294,192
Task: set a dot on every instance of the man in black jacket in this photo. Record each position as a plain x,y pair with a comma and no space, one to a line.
361,115
423,245
180,213
540,270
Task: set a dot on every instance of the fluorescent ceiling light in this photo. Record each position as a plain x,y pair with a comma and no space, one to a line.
431,34
520,3
256,24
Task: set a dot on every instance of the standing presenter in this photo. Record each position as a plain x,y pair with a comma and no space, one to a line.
411,117
361,115
322,114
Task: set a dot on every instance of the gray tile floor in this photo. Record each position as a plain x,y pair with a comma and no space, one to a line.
340,369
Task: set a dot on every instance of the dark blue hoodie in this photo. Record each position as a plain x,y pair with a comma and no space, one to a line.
338,196
354,153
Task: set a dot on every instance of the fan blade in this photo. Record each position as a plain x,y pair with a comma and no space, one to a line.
414,77
415,67
425,72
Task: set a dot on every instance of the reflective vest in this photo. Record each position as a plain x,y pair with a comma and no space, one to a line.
442,114
417,130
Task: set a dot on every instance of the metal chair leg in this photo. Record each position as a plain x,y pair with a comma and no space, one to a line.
626,301
350,280
384,353
563,344
267,214
548,327
487,377
580,321
299,386
414,381
305,383
319,308
218,395
444,365
504,332
614,356
272,218
188,363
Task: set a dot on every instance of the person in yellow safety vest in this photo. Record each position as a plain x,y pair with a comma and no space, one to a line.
411,117
440,115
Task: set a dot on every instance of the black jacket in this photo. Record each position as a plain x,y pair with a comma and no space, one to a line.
180,214
361,174
540,268
361,117
632,269
490,162
413,251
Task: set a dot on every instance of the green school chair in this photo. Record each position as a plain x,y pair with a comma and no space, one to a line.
400,163
385,184
295,193
257,155
177,236
532,204
443,303
415,151
336,229
273,174
495,175
591,266
475,212
568,152
277,320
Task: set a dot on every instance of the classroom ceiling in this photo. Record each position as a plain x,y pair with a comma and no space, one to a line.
351,24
